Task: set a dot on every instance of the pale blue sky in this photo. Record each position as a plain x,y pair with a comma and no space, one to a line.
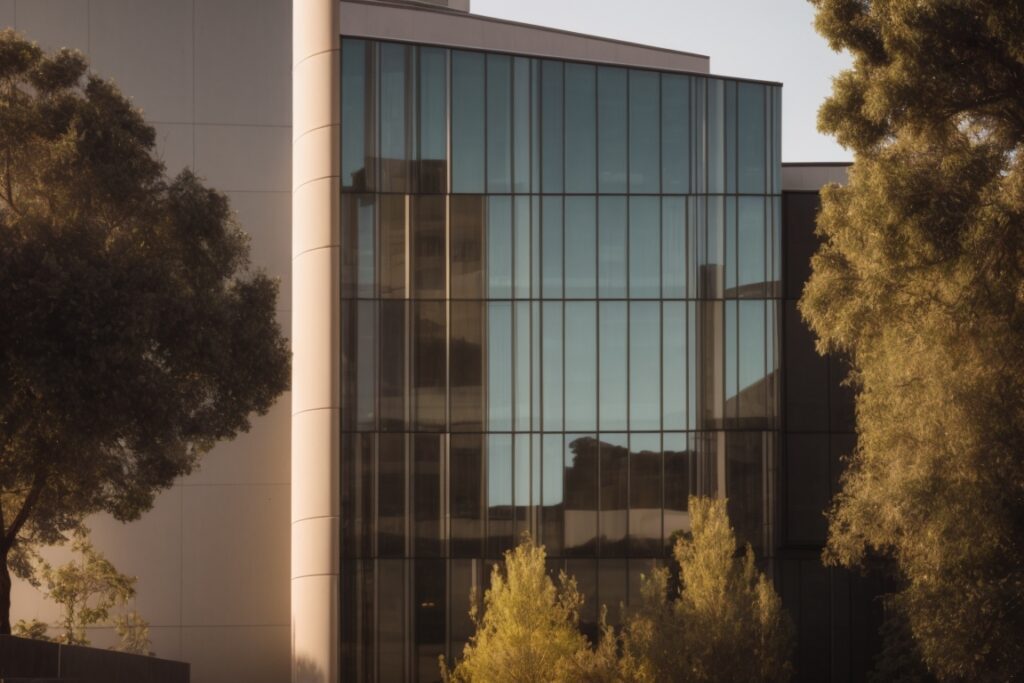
772,40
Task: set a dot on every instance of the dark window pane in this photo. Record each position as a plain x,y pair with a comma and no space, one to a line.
611,246
644,365
613,379
753,388
716,135
611,588
585,571
581,454
428,247
499,247
551,257
499,123
427,485
744,485
429,365
432,167
807,487
391,495
394,117
580,254
674,365
673,248
551,379
580,128
521,488
465,582
467,370
521,124
521,257
677,485
393,335
467,121
391,619
551,125
644,126
392,245
499,366
581,365
675,134
553,467
645,495
467,234
752,143
365,368
614,494
357,494
358,271
358,112
611,129
466,470
430,605
710,339
750,247
644,247
500,529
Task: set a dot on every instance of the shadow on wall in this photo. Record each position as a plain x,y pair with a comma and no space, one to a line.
305,670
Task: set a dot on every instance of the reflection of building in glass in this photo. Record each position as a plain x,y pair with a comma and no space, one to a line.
559,315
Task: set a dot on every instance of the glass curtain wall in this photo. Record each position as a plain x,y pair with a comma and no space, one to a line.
559,316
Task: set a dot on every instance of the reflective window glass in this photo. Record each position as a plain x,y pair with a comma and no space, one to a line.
467,123
611,247
677,485
673,247
466,469
391,608
366,370
429,365
393,333
499,123
499,366
752,143
612,380
644,247
581,365
523,333
750,247
391,495
644,127
428,247
580,128
552,467
521,256
744,485
499,247
581,247
581,456
675,134
391,244
716,135
614,473
358,112
467,235
431,169
551,374
521,124
521,486
394,117
430,605
426,494
359,257
645,495
730,137
674,365
467,370
551,126
645,365
752,370
500,528
551,257
611,129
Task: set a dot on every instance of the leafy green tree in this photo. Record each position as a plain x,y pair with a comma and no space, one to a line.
529,630
920,282
134,633
725,624
133,335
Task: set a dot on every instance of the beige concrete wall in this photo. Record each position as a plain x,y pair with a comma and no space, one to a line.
212,557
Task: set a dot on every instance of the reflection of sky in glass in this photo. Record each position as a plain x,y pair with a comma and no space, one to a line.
499,470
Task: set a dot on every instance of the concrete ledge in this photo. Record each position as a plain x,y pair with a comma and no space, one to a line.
36,660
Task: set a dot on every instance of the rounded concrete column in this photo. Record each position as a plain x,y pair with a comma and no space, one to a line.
316,335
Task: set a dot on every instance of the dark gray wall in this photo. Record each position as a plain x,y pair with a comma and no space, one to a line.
34,659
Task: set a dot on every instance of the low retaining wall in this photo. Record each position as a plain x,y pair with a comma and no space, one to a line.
38,661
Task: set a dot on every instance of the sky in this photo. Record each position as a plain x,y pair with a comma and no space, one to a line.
771,40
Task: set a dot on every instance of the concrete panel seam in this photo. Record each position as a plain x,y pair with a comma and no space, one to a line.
309,56
305,519
310,410
312,249
314,129
313,180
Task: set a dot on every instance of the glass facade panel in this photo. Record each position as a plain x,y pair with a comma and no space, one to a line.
644,128
557,316
467,124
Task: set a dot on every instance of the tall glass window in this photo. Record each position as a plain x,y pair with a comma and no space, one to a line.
644,126
467,123
580,128
499,123
612,135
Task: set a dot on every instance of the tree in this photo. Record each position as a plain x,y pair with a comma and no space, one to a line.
920,282
134,335
725,624
529,630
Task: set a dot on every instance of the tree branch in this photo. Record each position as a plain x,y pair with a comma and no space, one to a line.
26,508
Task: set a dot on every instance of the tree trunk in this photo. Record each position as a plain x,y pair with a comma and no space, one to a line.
5,595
